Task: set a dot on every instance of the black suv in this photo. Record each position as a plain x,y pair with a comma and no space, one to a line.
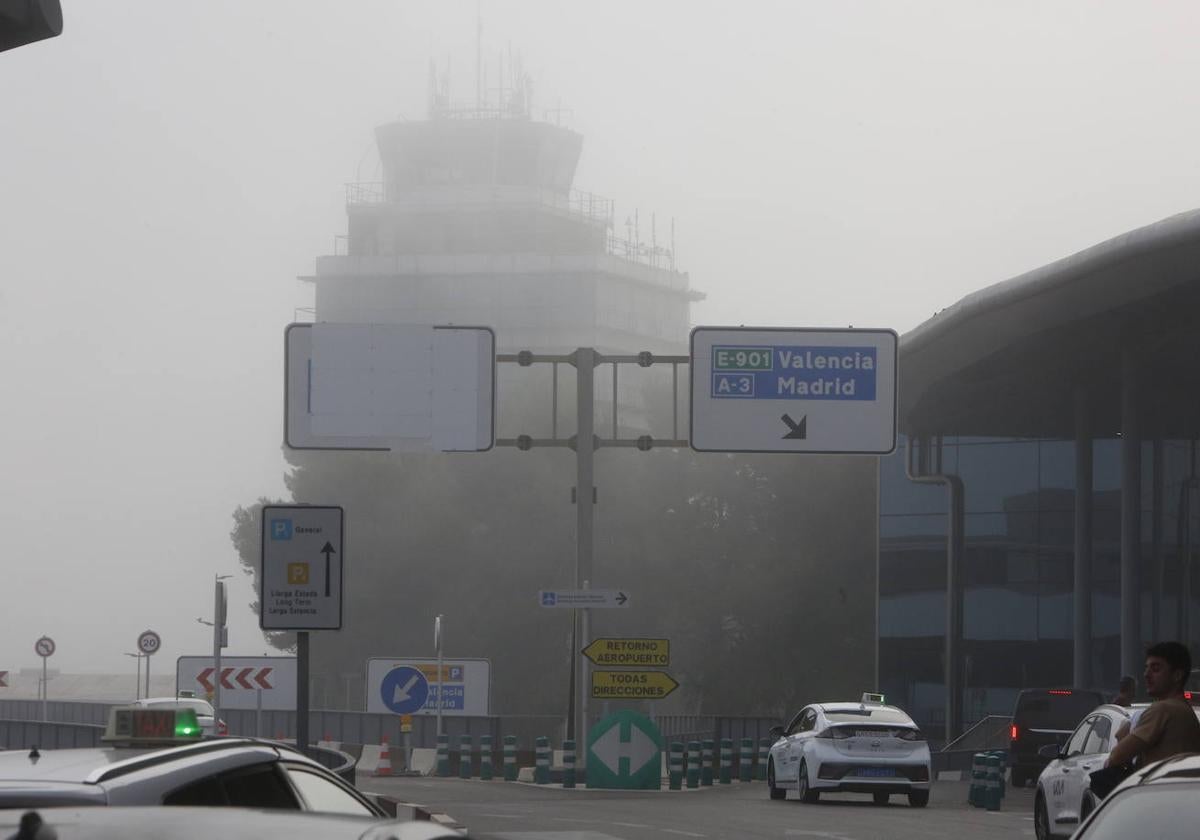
1044,716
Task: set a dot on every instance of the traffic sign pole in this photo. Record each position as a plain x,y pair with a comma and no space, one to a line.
585,489
301,691
44,647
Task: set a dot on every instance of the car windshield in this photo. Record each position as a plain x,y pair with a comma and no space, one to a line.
1166,811
1053,711
199,706
867,715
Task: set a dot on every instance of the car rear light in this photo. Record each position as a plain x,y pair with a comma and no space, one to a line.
835,733
1060,692
1012,732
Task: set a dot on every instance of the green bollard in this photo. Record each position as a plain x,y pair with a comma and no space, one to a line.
510,758
992,801
675,778
974,797
764,755
693,764
706,763
464,757
568,764
541,767
485,757
726,761
746,761
443,755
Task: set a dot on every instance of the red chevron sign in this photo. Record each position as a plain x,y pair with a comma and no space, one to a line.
246,678
245,682
3,679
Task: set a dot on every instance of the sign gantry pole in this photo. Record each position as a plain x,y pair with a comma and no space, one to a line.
585,489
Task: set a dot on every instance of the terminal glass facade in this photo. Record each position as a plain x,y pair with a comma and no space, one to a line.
1018,568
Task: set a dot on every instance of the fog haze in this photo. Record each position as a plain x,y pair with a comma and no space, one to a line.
169,169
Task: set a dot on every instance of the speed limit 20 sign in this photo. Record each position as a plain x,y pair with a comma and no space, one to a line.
149,642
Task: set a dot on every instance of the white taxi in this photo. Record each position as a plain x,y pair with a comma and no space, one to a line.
864,747
1064,798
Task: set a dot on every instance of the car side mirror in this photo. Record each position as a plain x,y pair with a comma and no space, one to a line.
1050,751
777,731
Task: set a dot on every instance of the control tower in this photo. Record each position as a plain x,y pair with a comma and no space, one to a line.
477,222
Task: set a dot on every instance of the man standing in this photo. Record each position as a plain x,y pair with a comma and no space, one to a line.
1125,691
1169,726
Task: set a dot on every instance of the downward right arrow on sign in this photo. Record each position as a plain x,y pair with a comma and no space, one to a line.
798,431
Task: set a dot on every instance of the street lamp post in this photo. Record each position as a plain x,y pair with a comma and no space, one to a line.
137,685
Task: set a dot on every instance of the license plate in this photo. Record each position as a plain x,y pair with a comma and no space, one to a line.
877,772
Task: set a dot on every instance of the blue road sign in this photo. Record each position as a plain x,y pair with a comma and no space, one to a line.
404,690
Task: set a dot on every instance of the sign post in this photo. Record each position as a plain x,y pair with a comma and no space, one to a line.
437,644
44,647
300,585
149,643
831,391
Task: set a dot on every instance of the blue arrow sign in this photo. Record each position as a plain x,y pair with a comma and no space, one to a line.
404,690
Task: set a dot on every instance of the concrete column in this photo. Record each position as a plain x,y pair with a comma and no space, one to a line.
1131,517
1083,543
955,544
1156,541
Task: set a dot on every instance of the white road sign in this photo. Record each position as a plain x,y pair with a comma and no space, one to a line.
241,679
44,646
793,390
466,685
300,587
149,642
403,387
579,599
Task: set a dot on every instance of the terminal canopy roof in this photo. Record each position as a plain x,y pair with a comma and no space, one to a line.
1006,360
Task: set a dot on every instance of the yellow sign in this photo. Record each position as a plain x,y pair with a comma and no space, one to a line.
630,653
297,573
406,723
632,685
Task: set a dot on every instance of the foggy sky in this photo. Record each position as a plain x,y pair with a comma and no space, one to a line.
167,169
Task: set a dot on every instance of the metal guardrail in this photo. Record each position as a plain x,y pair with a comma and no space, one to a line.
25,734
370,728
990,733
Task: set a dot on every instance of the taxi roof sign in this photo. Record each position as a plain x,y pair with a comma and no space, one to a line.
134,725
870,697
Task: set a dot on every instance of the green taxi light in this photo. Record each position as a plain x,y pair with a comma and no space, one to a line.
186,725
132,725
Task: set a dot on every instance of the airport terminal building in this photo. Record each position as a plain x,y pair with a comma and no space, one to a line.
1038,521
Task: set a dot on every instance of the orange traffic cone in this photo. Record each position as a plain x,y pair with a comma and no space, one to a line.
384,767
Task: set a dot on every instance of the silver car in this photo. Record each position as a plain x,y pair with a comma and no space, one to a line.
223,771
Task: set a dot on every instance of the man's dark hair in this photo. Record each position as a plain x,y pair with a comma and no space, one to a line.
1176,656
1127,683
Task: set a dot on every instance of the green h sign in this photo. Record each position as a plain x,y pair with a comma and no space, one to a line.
624,752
